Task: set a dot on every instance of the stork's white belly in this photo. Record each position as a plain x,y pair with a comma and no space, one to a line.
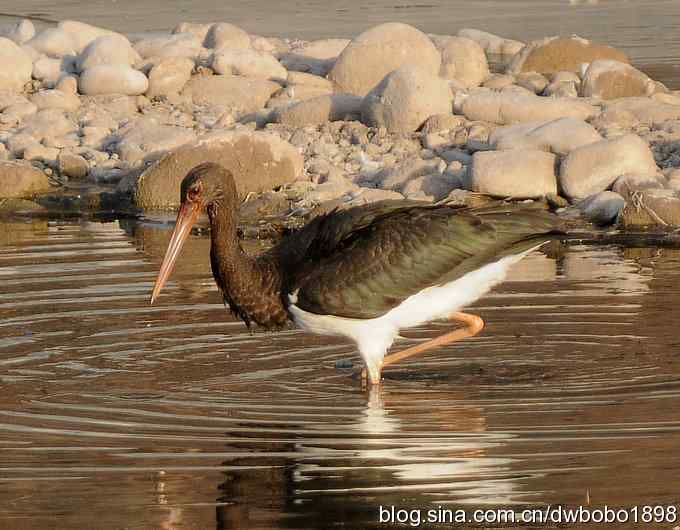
374,336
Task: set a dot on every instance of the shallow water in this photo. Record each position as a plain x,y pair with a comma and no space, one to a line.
115,414
645,29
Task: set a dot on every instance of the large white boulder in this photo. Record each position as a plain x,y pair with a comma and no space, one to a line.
593,168
645,110
55,99
506,108
22,32
169,76
606,79
463,60
198,30
377,52
16,67
225,35
321,109
109,49
146,139
554,54
405,99
21,180
54,42
112,79
505,174
83,34
241,94
248,63
259,161
492,44
177,45
559,136
315,57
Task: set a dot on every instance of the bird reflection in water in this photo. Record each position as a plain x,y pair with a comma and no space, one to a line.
377,460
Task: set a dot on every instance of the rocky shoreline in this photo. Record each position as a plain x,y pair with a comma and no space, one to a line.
93,122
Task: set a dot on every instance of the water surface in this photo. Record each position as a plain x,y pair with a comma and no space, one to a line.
115,414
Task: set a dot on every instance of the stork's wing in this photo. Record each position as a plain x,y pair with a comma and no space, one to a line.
371,267
320,237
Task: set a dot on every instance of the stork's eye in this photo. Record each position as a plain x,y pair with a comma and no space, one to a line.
193,193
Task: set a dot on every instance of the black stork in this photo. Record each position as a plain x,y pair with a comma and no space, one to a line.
363,273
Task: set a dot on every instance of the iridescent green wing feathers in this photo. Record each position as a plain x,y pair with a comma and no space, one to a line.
360,263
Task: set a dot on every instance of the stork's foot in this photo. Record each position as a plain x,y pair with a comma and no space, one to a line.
473,325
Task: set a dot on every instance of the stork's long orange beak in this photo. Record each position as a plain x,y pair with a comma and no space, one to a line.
186,218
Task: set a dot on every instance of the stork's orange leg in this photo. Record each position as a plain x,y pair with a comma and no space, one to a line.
473,325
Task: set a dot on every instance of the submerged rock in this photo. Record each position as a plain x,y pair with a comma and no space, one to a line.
602,208
654,207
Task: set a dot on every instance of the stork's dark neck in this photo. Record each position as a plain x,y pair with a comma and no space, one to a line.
251,287
225,248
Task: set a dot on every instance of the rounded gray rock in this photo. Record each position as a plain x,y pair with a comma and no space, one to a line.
16,69
224,35
169,76
21,180
607,79
463,60
602,208
259,161
112,79
248,63
110,49
377,52
319,110
593,168
405,99
505,174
